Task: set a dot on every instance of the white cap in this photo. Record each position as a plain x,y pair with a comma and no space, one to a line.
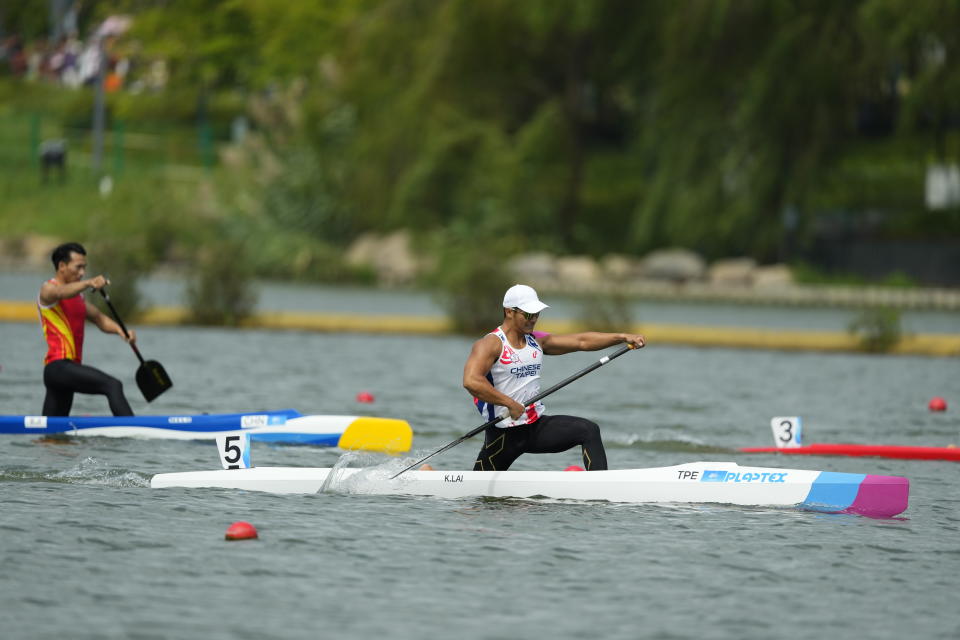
522,297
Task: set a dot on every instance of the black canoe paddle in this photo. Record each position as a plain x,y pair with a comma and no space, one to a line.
540,396
151,377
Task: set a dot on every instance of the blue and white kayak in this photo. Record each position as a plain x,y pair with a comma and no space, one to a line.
286,426
695,482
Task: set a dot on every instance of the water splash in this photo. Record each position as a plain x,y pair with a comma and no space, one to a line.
91,471
372,480
337,470
370,473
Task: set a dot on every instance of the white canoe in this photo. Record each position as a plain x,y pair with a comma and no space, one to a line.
695,482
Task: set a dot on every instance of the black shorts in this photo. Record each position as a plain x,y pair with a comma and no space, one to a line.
549,434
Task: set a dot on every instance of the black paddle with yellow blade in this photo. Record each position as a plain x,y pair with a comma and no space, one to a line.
540,396
151,377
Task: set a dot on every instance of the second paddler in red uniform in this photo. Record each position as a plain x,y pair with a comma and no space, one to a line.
63,312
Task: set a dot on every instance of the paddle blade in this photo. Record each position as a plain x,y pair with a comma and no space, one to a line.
152,379
384,435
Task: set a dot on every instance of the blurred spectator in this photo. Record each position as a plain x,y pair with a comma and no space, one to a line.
53,157
57,59
64,58
113,82
70,71
88,64
15,55
158,75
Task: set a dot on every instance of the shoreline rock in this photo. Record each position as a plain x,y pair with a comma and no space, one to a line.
670,274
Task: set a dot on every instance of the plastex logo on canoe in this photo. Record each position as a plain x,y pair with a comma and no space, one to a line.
719,475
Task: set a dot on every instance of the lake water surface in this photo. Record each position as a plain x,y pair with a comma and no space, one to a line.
88,550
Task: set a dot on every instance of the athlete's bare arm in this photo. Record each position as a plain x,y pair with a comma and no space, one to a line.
108,325
52,292
482,356
558,344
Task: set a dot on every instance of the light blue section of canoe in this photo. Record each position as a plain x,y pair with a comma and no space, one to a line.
833,492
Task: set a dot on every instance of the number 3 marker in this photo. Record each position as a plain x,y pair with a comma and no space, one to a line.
786,432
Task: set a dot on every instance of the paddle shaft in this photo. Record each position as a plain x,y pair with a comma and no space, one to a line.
540,396
116,316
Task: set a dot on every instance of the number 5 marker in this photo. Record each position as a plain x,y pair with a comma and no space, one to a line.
234,450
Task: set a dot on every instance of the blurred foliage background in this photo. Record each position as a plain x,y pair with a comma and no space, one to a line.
758,128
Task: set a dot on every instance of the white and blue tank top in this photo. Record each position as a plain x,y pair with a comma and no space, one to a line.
516,374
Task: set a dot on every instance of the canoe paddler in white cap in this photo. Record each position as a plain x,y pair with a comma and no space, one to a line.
503,373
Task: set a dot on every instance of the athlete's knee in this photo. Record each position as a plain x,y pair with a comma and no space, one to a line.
113,389
589,429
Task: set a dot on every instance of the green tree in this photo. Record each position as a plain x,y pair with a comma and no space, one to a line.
919,45
753,105
572,125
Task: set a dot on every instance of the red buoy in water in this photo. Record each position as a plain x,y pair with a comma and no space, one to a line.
365,397
937,404
574,467
241,531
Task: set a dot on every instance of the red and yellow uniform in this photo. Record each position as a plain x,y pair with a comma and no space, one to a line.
62,324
